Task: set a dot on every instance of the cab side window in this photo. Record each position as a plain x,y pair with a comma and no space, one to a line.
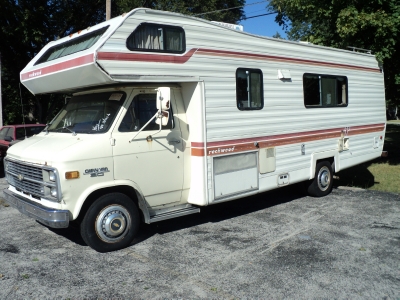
140,111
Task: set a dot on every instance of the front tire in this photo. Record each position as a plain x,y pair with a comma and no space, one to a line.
322,183
110,223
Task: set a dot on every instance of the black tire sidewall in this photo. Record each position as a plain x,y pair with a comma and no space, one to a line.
313,188
87,226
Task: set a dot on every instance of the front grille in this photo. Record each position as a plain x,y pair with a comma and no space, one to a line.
16,170
25,170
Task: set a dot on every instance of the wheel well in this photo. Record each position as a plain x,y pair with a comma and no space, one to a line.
331,160
127,190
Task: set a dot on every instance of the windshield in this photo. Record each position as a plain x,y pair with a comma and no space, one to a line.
92,113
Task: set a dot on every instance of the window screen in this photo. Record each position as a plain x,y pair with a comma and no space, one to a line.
157,38
325,90
78,44
141,110
249,89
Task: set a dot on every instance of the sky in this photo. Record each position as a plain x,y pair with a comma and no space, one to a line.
264,25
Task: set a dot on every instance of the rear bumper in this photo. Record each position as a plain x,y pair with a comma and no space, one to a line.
48,216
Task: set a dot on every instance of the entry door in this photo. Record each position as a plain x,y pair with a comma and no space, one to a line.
154,161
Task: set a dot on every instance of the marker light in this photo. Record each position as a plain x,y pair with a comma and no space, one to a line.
72,175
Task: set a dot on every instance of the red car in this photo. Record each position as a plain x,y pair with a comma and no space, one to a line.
16,133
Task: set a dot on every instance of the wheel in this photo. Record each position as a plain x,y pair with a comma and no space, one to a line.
322,183
110,223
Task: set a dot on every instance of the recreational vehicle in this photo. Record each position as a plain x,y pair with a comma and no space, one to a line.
170,113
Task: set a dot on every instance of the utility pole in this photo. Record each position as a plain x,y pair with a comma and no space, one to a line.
108,10
1,100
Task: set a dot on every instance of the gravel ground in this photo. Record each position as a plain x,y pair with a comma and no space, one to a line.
279,244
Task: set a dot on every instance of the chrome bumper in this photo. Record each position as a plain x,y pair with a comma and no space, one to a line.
48,216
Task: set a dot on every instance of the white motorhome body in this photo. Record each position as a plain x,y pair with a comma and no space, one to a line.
248,114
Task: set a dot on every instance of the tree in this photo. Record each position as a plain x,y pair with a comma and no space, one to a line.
369,24
277,35
26,26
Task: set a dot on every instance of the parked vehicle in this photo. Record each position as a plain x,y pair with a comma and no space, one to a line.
170,113
11,134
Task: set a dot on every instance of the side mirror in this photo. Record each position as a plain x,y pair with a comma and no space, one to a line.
163,119
8,139
163,98
163,104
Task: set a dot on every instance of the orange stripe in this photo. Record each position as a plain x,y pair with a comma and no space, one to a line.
198,152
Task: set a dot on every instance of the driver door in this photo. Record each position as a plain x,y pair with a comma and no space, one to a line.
154,161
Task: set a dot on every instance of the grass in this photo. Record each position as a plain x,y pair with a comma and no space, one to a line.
3,203
381,174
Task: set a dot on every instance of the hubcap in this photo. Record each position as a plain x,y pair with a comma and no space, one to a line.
324,178
113,223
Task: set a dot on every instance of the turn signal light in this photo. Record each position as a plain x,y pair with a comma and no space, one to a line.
72,175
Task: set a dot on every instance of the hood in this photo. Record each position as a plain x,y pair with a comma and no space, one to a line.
61,147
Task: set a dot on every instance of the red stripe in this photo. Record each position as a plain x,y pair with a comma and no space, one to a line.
281,59
75,62
352,130
176,59
164,58
239,145
198,144
168,58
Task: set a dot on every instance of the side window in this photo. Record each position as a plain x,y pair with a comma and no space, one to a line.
325,90
141,110
11,132
249,89
3,132
20,133
157,38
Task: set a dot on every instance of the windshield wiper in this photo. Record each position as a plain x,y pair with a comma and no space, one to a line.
61,128
73,132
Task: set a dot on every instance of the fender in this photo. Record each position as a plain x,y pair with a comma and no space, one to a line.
321,155
143,205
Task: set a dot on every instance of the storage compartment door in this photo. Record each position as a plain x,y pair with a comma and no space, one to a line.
235,174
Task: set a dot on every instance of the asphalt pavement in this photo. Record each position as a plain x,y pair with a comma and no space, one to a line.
277,245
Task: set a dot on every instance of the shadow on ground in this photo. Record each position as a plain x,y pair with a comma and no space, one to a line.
214,213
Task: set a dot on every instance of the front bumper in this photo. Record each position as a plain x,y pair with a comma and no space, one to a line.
51,217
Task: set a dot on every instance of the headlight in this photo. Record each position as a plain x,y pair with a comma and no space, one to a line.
52,176
53,192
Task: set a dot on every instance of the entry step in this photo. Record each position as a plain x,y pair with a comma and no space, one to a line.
173,213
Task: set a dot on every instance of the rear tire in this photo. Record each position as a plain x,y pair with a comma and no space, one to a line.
110,223
322,183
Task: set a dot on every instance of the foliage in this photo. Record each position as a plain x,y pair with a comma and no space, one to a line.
369,24
381,174
191,7
26,26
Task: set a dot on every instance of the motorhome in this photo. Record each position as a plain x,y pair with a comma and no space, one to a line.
170,113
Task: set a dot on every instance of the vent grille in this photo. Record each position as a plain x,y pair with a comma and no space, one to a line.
270,152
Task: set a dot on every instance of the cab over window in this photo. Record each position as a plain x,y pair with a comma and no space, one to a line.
249,89
157,38
324,90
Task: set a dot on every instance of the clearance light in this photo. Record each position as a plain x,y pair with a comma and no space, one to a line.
72,175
